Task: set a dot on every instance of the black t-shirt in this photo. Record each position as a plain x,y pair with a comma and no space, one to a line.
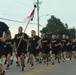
45,42
70,42
8,44
34,41
74,45
64,42
3,27
54,42
69,45
23,44
59,41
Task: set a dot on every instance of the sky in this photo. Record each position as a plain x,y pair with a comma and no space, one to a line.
19,9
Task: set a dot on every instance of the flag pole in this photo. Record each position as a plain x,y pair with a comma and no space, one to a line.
22,35
24,30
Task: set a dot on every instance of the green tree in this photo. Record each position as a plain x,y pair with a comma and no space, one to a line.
54,25
66,26
72,32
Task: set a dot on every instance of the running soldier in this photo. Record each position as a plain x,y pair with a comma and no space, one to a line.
34,47
4,35
45,42
64,42
22,49
55,43
8,46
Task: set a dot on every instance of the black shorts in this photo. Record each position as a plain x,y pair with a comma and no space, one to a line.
9,51
64,49
56,50
1,52
40,49
69,49
32,50
53,51
4,51
46,50
34,53
74,49
1,49
21,52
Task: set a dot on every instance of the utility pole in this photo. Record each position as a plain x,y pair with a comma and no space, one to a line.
36,4
38,16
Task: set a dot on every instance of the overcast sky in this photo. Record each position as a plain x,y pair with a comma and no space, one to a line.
20,9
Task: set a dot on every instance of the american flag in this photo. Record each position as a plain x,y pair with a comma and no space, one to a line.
31,16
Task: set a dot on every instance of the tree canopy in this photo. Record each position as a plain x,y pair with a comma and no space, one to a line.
55,26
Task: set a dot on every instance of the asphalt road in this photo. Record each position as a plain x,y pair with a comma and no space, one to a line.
64,68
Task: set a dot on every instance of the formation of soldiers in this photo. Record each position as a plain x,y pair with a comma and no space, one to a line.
34,48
